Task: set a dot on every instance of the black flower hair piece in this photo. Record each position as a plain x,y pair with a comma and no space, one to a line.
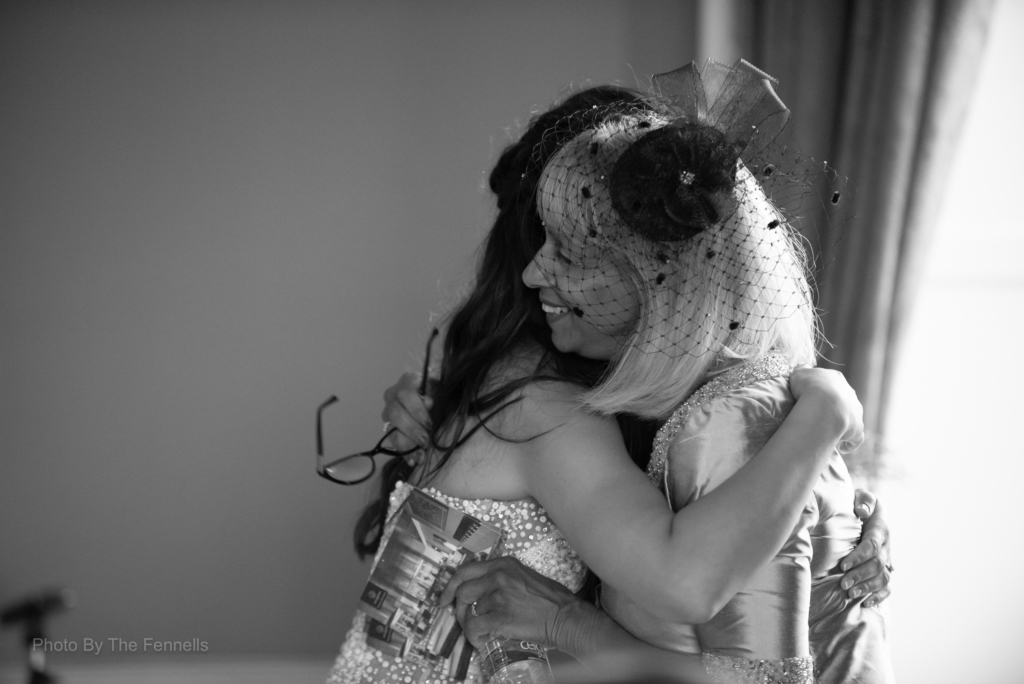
663,184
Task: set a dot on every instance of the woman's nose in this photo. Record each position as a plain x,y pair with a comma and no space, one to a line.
533,277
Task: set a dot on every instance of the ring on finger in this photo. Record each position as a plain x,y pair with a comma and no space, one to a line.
472,609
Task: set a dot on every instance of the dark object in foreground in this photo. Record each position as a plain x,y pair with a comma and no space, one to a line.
31,612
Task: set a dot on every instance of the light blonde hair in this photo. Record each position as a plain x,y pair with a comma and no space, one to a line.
735,291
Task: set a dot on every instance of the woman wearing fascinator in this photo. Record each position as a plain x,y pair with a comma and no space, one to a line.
638,269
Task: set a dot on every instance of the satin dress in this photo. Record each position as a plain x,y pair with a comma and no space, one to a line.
793,624
529,536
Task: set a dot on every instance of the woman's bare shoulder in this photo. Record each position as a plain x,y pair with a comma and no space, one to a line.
521,364
542,404
545,406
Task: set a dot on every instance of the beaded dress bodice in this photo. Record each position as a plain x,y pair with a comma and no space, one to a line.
529,536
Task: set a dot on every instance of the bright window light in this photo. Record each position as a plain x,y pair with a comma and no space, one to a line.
955,426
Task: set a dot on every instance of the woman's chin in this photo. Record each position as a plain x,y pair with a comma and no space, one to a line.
563,344
574,346
569,343
587,342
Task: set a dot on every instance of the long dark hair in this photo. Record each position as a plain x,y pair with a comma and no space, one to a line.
501,316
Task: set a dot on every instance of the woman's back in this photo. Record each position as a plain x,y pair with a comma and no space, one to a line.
484,476
493,460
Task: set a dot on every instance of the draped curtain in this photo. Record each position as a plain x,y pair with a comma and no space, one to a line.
879,89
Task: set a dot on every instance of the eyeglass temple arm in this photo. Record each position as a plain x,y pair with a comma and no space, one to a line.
319,424
331,399
426,364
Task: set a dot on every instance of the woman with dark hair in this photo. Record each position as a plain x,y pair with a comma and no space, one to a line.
476,337
539,458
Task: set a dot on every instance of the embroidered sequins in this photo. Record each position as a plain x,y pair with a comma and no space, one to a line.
736,670
529,536
765,368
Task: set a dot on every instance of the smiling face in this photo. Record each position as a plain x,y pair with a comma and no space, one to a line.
591,309
590,303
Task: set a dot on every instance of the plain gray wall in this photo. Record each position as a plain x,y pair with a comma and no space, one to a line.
212,216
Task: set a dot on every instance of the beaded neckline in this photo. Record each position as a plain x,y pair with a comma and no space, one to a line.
764,368
475,505
523,520
528,532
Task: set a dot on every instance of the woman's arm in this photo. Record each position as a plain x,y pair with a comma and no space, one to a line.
865,568
512,600
692,564
685,566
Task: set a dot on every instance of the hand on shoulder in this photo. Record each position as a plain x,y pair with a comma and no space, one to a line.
828,392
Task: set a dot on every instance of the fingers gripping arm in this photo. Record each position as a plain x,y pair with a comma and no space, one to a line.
504,598
868,567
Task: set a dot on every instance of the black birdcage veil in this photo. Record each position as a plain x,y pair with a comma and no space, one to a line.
675,226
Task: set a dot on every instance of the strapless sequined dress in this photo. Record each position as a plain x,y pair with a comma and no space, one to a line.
529,536
793,624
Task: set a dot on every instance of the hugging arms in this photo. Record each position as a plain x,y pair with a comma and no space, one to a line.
582,305
524,604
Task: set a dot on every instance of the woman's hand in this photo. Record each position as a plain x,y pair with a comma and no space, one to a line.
868,567
829,390
504,598
408,412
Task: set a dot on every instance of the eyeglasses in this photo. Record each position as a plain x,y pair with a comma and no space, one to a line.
357,468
